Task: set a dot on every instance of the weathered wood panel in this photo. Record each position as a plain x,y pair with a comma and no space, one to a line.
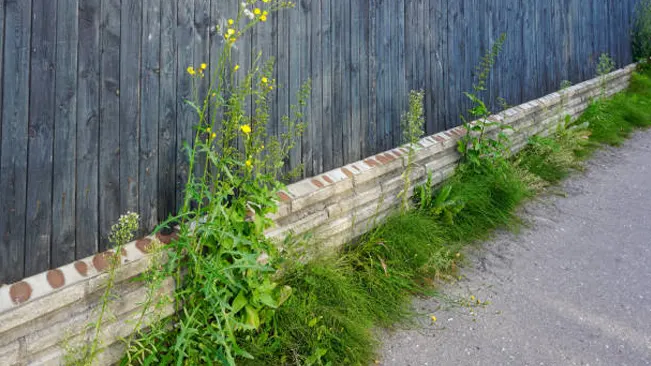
102,128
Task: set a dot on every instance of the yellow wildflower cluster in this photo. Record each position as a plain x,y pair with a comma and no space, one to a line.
198,71
246,129
231,34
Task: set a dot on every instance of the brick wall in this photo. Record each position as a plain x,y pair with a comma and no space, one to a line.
42,313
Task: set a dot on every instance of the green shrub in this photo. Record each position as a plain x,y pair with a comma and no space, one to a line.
641,34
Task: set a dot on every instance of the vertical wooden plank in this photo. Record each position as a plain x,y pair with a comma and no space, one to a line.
339,68
327,64
167,138
372,131
530,54
440,60
13,147
456,62
410,40
316,109
304,43
360,55
383,73
65,134
87,199
283,68
201,45
185,115
298,44
149,116
130,104
401,83
41,132
350,132
109,120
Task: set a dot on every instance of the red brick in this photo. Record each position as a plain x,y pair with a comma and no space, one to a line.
348,173
439,138
20,292
82,268
284,197
382,159
327,179
390,156
144,245
55,278
318,183
371,162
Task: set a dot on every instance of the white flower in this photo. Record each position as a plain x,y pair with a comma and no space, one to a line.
263,259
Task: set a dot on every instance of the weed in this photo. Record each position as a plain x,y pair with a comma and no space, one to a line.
412,124
641,33
121,234
476,146
605,66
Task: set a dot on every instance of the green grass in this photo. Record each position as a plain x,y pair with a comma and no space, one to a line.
338,303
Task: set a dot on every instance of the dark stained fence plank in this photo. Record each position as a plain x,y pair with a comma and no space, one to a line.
316,72
41,132
283,68
298,38
130,105
303,49
14,132
87,195
328,70
65,139
185,117
109,130
167,138
149,116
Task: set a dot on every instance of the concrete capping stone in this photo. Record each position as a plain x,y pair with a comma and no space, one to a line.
337,206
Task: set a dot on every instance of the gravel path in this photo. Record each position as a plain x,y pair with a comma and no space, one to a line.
572,288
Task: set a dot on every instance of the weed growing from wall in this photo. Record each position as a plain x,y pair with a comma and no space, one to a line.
477,147
121,234
223,265
412,124
605,66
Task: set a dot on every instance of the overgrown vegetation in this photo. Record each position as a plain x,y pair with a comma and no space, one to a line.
641,33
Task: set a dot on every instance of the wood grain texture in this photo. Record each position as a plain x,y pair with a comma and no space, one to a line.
109,130
14,138
41,137
88,90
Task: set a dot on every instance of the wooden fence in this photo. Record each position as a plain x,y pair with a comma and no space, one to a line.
92,93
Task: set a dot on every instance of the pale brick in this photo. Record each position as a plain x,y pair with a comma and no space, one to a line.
347,205
322,194
10,353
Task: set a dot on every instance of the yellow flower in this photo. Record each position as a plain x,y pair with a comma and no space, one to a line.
246,129
265,1
204,66
214,135
208,129
237,67
190,70
263,18
231,22
230,31
433,318
248,163
265,13
472,298
256,11
264,80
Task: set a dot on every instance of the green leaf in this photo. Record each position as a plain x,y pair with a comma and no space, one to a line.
239,302
252,317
